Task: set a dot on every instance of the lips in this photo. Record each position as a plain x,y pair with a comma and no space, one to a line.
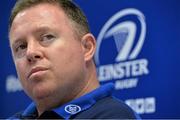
35,70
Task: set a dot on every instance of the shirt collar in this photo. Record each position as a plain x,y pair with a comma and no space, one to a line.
30,111
78,105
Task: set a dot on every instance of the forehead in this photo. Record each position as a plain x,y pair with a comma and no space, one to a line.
38,15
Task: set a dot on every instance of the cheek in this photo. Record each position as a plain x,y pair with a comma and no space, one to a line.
61,54
21,70
66,60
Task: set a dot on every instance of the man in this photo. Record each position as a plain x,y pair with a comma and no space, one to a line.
53,50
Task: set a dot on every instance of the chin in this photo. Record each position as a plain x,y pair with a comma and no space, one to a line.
41,92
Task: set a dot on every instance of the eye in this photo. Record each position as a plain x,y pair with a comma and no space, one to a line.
21,47
47,37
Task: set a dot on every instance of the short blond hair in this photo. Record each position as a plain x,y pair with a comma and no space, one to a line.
73,12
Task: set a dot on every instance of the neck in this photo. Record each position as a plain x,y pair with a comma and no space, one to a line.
91,82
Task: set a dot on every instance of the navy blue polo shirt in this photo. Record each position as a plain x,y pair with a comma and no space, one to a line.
98,104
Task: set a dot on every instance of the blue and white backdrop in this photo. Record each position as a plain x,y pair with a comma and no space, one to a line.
138,45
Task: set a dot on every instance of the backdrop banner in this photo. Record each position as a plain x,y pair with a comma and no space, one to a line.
137,49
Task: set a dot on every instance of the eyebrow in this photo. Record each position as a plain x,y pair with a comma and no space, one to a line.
41,29
38,30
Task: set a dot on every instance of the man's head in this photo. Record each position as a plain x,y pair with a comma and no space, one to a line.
52,52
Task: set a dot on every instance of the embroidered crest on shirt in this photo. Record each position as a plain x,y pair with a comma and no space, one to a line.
72,109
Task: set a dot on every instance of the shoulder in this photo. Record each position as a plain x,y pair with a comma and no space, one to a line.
109,108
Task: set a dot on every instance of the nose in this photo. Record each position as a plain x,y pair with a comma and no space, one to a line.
33,53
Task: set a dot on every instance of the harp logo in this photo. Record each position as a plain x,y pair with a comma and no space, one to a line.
123,37
72,109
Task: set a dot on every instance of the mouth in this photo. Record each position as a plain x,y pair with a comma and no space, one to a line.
36,70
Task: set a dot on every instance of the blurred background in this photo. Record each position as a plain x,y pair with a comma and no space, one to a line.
138,45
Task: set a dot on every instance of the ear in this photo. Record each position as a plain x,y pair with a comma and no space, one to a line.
89,46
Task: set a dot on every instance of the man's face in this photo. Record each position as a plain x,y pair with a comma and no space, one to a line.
48,56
